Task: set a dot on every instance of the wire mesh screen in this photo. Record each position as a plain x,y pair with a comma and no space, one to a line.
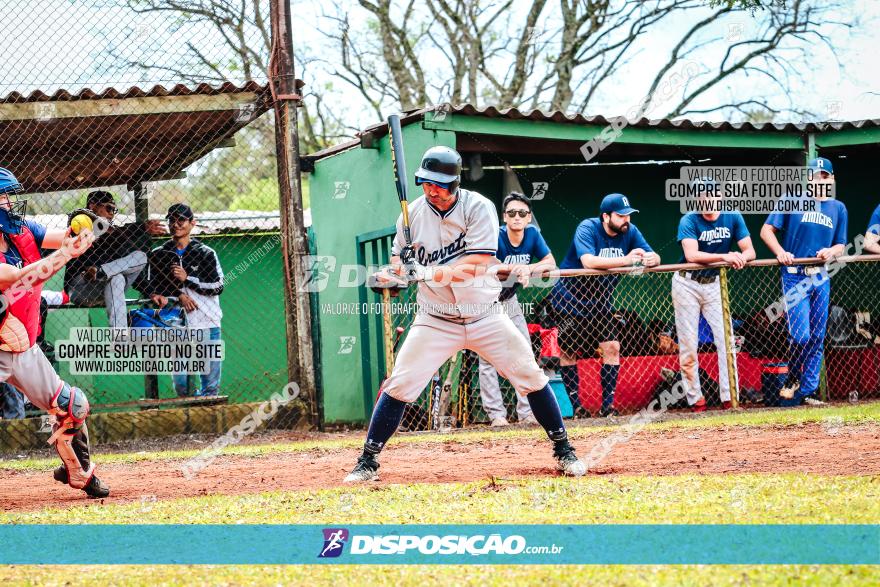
615,343
814,330
148,122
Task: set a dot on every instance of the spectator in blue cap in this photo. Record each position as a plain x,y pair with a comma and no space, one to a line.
582,306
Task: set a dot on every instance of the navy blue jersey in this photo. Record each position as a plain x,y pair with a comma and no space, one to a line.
716,236
805,233
13,257
532,249
583,294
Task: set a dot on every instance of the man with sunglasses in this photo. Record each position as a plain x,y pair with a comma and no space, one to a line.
452,259
523,249
113,264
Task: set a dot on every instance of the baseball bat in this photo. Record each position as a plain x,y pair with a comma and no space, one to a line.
398,165
434,413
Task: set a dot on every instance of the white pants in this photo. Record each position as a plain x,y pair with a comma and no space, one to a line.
690,300
31,374
490,387
431,341
121,274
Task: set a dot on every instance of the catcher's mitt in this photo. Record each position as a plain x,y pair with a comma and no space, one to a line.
79,211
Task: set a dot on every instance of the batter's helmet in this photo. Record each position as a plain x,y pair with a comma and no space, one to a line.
440,166
11,216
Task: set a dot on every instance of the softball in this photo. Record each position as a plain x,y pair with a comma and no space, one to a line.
80,222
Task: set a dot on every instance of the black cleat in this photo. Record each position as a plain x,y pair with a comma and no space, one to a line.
609,413
60,474
367,469
96,488
569,464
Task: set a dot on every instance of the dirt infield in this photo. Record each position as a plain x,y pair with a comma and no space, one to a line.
809,448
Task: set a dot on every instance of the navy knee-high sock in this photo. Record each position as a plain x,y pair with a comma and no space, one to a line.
546,412
386,418
572,382
608,375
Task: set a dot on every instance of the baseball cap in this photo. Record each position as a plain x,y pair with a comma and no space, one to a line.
616,203
821,164
99,197
180,211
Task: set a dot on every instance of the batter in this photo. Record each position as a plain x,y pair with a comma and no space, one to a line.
455,237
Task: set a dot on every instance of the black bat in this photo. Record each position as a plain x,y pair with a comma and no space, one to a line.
398,165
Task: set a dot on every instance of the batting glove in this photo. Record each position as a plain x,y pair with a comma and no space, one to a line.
416,272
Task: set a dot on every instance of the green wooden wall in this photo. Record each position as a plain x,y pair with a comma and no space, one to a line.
253,326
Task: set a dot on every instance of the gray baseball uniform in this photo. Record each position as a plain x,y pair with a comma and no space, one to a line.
464,315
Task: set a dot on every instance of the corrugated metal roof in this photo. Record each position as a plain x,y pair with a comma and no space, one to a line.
381,128
685,124
142,135
136,92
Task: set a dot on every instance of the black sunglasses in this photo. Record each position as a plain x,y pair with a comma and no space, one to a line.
111,208
513,213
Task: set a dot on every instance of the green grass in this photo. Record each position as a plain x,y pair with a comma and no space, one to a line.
751,498
788,498
843,414
477,576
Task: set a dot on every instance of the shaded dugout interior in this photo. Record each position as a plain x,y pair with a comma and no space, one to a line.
354,204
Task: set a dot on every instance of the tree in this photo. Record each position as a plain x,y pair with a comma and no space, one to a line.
565,56
234,45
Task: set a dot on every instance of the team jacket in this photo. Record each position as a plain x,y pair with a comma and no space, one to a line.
20,314
204,281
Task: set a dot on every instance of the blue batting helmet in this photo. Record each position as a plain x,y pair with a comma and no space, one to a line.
11,215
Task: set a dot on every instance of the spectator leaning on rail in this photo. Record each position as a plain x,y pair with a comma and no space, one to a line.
872,235
820,234
522,248
113,263
198,283
706,238
582,306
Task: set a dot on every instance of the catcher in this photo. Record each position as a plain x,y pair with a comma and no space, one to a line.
102,274
22,273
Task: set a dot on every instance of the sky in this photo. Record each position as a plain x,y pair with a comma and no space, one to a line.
66,43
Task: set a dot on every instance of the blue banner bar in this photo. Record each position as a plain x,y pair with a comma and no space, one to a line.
440,544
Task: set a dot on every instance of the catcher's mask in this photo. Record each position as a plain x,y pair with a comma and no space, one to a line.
12,207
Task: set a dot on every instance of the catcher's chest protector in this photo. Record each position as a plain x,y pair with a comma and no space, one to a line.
20,315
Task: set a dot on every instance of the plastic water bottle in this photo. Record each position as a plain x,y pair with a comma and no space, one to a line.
854,397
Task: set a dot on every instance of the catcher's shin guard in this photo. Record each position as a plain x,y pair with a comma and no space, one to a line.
70,436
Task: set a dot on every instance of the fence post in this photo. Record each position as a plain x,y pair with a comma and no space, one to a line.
294,244
729,344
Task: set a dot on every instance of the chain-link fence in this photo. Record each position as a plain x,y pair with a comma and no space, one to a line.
614,343
150,122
